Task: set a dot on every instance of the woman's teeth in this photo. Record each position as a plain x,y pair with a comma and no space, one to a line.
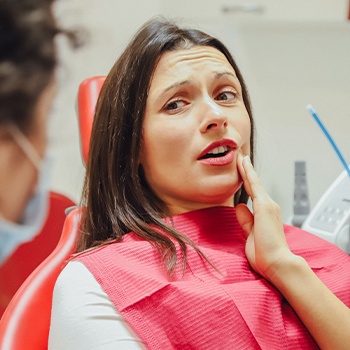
217,150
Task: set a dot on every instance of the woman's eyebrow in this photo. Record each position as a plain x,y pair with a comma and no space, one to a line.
231,76
221,74
173,86
189,82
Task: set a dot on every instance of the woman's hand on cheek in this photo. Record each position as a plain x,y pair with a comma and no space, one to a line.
266,248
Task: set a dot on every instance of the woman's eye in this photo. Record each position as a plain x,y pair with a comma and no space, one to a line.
226,96
173,105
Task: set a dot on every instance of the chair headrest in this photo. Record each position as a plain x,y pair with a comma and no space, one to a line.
88,93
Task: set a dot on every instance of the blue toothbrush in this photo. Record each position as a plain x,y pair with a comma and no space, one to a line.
329,137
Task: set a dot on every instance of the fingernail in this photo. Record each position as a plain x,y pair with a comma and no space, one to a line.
247,160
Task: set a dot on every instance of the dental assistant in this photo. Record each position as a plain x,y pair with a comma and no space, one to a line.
27,89
28,60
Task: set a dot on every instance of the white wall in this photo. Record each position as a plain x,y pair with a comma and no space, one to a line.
108,24
286,65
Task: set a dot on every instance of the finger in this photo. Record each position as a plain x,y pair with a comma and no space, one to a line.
245,218
243,174
257,190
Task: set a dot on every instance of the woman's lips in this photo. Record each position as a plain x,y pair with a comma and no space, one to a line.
219,161
216,159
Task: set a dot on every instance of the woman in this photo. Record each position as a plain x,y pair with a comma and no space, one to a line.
163,254
28,60
27,89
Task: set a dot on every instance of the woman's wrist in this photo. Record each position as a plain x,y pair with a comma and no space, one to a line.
312,300
288,272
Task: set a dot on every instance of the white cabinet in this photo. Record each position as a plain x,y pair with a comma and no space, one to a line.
270,10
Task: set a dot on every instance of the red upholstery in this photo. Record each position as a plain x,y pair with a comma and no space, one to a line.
88,93
25,323
29,255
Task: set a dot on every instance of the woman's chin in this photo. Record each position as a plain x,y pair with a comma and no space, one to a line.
222,196
222,188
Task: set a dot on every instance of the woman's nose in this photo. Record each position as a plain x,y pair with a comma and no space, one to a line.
213,117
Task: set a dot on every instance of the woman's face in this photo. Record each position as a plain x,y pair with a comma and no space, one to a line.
195,125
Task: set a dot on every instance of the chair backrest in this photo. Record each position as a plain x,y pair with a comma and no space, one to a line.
26,321
27,257
88,93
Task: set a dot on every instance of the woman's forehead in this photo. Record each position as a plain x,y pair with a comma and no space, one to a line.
195,56
184,64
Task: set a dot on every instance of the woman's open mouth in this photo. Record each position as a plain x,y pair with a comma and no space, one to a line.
220,151
218,156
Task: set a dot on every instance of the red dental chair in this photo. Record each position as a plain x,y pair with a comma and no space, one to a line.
88,93
25,322
28,256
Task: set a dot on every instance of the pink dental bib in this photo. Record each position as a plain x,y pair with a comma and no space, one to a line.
232,308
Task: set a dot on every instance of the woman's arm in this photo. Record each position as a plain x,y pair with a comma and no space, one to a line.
83,316
323,314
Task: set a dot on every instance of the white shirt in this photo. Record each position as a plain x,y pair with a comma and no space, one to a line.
83,316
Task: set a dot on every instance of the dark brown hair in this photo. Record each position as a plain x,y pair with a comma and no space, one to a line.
116,198
27,57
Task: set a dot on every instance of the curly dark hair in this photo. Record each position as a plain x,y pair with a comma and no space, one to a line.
27,56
